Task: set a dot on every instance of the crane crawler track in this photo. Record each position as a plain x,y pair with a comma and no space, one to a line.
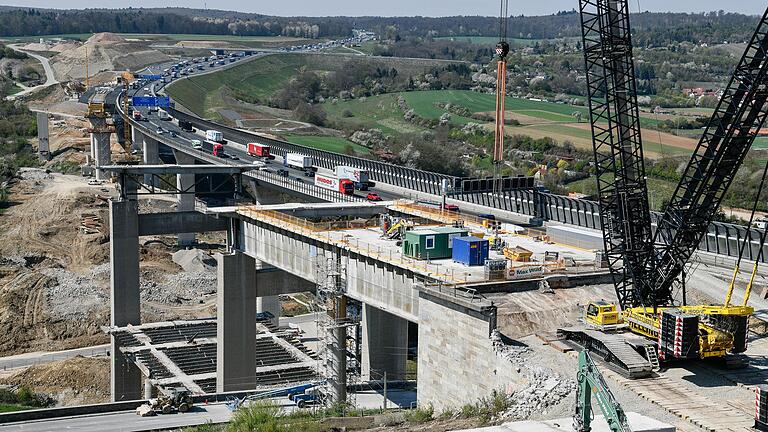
612,349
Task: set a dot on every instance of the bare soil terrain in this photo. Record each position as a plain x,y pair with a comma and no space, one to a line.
76,381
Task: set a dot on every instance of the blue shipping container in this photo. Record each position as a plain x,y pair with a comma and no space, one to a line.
471,251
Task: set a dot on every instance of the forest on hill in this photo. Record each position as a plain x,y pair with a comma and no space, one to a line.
651,29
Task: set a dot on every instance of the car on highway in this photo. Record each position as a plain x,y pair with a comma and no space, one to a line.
234,157
282,172
173,134
160,131
372,196
197,144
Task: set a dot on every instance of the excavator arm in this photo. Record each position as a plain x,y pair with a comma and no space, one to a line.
591,383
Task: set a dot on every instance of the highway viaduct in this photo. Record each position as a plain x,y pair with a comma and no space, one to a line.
265,258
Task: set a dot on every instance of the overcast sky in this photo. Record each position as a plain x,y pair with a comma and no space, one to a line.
402,7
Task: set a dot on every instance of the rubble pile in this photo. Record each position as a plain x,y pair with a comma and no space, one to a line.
545,389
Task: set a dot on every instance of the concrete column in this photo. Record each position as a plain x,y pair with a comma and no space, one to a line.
137,138
147,389
385,344
151,155
269,304
102,153
236,322
43,147
186,202
124,293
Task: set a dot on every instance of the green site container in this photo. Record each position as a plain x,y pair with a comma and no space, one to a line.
433,243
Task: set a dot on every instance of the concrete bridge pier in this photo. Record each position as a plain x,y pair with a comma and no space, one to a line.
125,377
236,322
245,285
269,304
151,155
101,152
186,201
137,139
385,344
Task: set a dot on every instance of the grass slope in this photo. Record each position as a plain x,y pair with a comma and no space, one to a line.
327,143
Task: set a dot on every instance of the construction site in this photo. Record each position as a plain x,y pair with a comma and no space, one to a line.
177,287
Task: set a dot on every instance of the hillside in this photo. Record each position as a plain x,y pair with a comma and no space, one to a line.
258,80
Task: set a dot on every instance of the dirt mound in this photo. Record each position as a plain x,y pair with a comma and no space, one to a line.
104,38
75,381
194,261
104,52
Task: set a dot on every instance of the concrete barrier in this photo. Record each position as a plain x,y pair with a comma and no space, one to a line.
50,413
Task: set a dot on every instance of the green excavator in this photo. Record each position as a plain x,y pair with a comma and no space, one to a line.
590,383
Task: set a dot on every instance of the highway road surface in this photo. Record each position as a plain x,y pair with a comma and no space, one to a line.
50,78
126,421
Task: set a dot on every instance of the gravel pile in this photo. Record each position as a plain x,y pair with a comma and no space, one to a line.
178,288
194,261
72,296
34,174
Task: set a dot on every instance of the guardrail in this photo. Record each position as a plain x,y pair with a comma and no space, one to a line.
289,183
404,177
721,238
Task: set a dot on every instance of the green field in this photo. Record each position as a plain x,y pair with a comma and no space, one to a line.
492,40
760,143
332,144
203,37
75,36
257,80
173,37
14,89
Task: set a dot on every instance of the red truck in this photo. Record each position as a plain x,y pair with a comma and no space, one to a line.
218,150
258,150
329,182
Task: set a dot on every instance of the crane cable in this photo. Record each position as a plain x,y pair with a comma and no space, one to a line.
747,239
503,14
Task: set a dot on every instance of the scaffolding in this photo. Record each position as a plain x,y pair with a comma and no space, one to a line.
337,332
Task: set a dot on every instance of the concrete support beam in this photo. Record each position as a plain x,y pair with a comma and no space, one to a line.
102,153
124,293
269,304
236,322
385,344
174,222
151,154
271,281
186,202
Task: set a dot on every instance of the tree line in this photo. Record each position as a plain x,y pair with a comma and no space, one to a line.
650,29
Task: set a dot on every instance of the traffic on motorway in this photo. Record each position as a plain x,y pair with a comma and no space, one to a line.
297,167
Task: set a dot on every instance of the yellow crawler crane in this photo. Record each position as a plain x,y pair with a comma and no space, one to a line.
648,263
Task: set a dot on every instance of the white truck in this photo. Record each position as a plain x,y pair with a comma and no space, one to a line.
214,135
356,175
163,115
297,160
